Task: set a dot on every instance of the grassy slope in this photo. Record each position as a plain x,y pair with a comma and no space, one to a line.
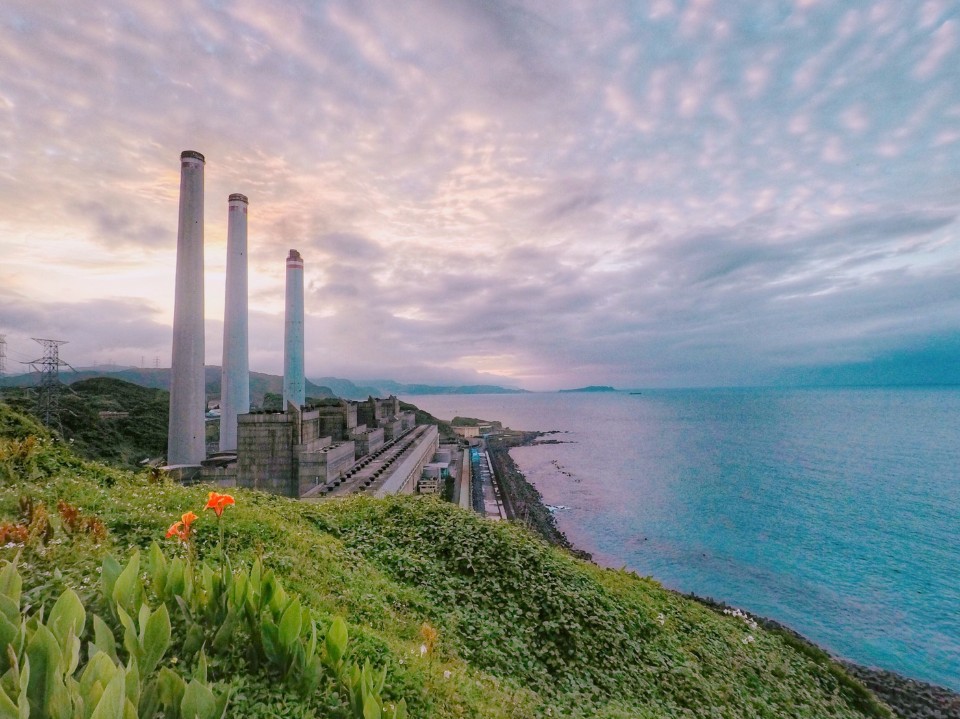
524,628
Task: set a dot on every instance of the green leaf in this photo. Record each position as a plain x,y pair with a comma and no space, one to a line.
8,710
67,616
108,576
222,701
311,649
46,682
278,600
238,591
185,610
130,641
92,694
8,635
200,673
11,583
336,641
158,569
290,624
206,580
127,588
256,571
100,668
371,708
111,703
103,638
156,638
71,654
224,636
198,702
149,699
176,582
270,635
132,685
194,640
143,616
9,609
170,688
23,701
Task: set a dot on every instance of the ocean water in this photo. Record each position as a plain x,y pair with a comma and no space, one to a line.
834,511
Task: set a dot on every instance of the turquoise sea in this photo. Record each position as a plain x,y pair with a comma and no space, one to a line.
834,511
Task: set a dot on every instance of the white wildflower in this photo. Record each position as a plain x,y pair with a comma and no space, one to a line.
423,649
447,674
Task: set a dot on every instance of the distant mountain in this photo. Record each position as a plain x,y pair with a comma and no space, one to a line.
348,390
591,388
385,387
414,389
159,378
262,384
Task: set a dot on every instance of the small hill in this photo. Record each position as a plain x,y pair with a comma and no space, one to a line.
591,388
474,422
471,618
109,420
114,421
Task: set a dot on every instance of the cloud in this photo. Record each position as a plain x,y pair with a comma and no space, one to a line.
561,194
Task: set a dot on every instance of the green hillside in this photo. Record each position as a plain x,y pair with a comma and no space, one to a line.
110,420
159,378
470,618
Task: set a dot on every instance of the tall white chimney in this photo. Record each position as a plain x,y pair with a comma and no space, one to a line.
235,370
185,439
294,390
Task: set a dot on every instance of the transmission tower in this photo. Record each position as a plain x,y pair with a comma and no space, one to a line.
3,356
48,388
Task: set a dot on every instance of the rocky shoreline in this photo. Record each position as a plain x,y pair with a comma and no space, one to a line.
908,698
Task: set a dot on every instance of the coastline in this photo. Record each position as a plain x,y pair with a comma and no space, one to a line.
908,698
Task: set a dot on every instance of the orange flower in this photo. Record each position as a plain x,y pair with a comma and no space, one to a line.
181,528
219,502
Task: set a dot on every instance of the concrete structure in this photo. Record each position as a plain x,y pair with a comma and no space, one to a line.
404,478
294,383
373,411
286,453
338,420
325,465
185,439
468,432
235,372
465,498
367,440
392,428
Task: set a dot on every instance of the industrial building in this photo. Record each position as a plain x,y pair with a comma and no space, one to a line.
306,450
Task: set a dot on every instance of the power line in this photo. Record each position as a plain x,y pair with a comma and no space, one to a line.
48,387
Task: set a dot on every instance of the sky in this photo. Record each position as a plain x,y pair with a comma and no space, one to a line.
541,194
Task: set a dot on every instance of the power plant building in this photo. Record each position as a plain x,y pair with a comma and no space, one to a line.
285,453
186,443
333,447
235,369
294,382
300,451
